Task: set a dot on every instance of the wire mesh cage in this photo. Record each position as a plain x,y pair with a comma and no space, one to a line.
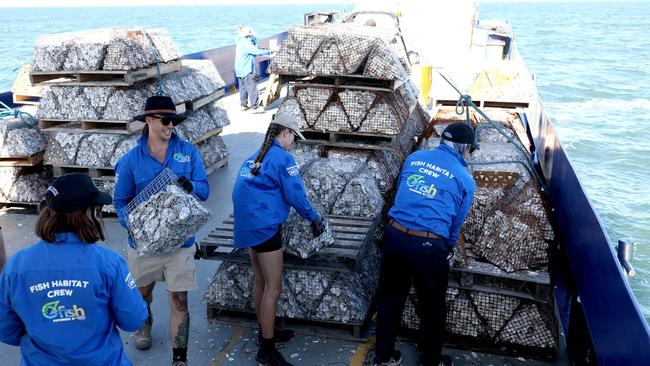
163,216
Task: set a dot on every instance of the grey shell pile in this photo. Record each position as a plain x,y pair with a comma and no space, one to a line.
23,184
342,297
20,138
328,108
197,79
341,50
212,151
86,149
103,49
298,239
202,121
162,222
496,319
109,187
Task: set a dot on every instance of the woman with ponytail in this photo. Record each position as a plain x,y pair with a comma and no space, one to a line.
267,186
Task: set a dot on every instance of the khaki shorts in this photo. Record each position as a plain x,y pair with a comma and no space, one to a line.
177,269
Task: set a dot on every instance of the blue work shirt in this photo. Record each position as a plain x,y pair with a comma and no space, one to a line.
435,192
245,53
62,303
137,168
262,202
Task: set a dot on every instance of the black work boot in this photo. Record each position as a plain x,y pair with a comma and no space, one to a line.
280,335
270,356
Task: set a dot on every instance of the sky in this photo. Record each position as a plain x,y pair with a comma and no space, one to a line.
87,3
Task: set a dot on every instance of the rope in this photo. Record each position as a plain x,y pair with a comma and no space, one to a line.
462,106
25,117
161,87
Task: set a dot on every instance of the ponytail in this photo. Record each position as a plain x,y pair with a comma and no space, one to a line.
271,133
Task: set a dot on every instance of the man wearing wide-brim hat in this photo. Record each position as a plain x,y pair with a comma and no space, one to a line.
159,148
246,51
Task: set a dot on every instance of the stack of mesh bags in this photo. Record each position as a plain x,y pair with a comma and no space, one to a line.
20,137
103,49
163,216
342,49
329,108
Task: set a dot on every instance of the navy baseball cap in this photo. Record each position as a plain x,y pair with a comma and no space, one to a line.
460,133
75,191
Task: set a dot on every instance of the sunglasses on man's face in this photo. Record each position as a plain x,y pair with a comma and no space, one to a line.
165,120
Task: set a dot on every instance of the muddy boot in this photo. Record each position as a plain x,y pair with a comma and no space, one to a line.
143,335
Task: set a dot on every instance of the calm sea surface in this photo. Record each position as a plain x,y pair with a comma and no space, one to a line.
592,62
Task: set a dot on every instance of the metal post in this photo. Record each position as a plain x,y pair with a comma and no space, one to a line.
625,250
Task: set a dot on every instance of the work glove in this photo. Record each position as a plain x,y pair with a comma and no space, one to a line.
185,184
317,226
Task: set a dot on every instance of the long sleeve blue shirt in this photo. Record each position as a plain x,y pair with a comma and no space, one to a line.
137,168
245,53
262,202
62,302
435,192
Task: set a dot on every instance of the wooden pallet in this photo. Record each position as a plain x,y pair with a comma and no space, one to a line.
344,81
193,105
99,173
207,135
212,168
352,140
96,126
483,103
36,206
355,331
101,77
353,236
23,91
12,161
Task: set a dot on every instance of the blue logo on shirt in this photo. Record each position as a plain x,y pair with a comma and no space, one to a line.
246,169
182,158
416,184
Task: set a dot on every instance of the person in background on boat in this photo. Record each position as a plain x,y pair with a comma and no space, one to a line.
433,199
159,148
63,298
246,51
267,186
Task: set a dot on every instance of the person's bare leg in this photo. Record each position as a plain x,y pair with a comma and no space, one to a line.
270,264
258,287
179,321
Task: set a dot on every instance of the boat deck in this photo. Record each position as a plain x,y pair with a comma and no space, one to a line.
234,344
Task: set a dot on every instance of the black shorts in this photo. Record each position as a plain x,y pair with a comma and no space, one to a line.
270,245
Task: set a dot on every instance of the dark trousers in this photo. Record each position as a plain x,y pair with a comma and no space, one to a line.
248,91
410,259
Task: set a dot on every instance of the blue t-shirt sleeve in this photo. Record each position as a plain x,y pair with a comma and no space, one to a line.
124,188
463,211
12,327
293,188
199,178
251,49
127,306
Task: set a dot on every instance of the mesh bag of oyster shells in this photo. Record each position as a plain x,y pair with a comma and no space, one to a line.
349,110
298,238
103,49
341,50
202,122
492,319
340,297
213,151
163,216
25,184
20,137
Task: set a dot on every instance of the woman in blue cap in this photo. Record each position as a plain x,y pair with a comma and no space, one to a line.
157,149
63,298
268,185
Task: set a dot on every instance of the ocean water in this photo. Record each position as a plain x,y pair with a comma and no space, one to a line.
591,59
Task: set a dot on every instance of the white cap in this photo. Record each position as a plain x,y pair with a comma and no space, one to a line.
288,120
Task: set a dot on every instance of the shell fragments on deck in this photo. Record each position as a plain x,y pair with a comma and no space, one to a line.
162,223
104,49
341,50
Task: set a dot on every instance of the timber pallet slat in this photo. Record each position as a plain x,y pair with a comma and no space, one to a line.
98,126
193,105
101,77
37,206
353,236
353,331
482,103
353,140
212,168
98,173
12,161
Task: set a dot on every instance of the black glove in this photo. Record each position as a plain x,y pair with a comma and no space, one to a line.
317,226
185,184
